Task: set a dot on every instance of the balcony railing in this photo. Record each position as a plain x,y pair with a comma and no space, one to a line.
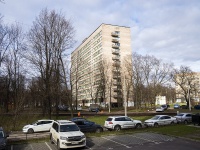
117,83
116,64
115,40
115,34
116,58
117,96
116,76
115,51
115,46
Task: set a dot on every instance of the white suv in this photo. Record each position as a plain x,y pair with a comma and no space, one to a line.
38,126
66,134
121,122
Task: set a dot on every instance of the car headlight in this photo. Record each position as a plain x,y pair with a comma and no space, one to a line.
63,138
25,127
83,136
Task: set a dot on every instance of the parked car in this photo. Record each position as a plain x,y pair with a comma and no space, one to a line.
184,118
121,122
176,106
77,119
160,120
160,109
38,126
3,138
184,107
94,108
66,134
63,107
79,108
88,126
197,107
165,107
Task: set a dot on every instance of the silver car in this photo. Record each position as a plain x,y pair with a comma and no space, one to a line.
160,120
184,118
121,122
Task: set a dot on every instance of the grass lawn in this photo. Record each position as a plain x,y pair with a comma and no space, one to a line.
180,130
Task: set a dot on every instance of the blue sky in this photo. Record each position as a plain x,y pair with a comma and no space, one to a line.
167,29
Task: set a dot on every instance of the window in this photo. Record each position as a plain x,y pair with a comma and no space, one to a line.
55,126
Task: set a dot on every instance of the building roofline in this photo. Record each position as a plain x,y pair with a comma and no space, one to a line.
93,32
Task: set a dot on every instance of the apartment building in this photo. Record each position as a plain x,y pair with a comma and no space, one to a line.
101,67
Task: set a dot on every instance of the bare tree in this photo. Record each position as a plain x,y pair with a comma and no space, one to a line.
50,37
4,40
15,72
185,80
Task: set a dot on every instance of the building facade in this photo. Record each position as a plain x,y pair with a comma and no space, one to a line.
101,67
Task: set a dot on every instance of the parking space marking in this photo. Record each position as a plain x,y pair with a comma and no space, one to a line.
153,137
116,142
144,139
48,145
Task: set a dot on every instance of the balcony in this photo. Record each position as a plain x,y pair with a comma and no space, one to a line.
117,83
116,71
116,76
115,34
115,51
116,46
115,58
117,96
115,40
116,64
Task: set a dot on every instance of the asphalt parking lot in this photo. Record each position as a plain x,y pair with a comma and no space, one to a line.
138,141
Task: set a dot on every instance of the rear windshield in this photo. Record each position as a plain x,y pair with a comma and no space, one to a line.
109,119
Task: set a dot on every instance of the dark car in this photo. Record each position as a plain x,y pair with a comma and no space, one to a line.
197,107
3,139
176,106
86,125
184,107
77,119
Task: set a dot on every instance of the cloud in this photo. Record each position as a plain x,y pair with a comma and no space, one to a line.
169,30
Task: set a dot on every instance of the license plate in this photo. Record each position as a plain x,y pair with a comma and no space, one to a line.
75,142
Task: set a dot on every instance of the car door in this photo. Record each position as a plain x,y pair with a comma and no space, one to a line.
38,126
128,122
168,120
54,131
82,126
46,125
161,120
188,117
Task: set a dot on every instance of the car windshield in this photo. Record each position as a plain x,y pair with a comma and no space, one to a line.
1,134
180,114
68,128
34,123
155,118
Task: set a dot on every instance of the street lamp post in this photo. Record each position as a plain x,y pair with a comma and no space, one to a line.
189,98
125,107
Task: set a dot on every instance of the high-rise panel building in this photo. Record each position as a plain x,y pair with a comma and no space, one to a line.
101,67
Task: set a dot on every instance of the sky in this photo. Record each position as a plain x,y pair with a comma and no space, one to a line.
166,29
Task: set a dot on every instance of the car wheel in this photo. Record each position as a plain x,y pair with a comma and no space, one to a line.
155,124
172,123
58,145
138,126
185,122
30,130
98,130
117,128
